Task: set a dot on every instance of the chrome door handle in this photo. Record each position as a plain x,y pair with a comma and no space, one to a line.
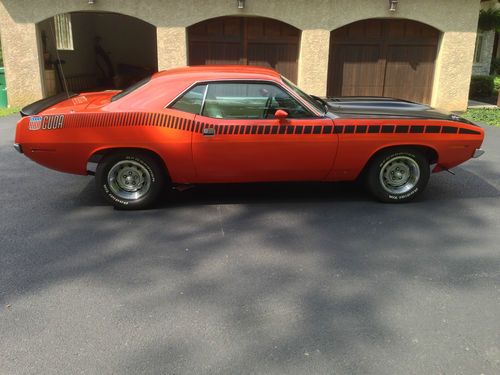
208,132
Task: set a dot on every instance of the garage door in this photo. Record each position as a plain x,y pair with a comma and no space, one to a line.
245,41
381,57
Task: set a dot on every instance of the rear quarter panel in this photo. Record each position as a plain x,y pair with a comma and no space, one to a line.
68,145
360,139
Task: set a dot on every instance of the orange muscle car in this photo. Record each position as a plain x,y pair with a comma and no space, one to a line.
236,124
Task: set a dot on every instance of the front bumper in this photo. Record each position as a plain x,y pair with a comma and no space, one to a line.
18,148
477,153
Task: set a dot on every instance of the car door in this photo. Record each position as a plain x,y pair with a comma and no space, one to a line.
239,138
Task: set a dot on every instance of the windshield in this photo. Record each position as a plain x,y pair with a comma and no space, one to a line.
315,103
131,88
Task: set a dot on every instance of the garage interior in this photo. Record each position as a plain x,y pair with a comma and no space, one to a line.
90,51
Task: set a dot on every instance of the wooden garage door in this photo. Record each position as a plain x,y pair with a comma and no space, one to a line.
381,57
245,41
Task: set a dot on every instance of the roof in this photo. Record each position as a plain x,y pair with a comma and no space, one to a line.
221,71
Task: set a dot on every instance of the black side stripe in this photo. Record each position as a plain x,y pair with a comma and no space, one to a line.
449,129
349,129
468,131
433,129
361,129
417,129
130,119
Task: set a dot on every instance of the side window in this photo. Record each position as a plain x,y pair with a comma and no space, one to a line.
191,101
282,100
249,101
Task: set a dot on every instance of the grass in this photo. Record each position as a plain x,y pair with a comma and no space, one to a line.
8,111
485,116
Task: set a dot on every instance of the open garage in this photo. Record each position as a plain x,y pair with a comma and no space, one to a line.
95,50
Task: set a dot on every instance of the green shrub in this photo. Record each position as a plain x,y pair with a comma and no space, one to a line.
496,85
489,19
495,66
8,111
481,86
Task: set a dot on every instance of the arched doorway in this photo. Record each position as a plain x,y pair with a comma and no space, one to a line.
89,51
245,41
383,57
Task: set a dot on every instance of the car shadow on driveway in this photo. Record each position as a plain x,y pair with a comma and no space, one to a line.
442,187
272,278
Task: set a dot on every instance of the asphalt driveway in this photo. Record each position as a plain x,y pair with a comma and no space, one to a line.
264,279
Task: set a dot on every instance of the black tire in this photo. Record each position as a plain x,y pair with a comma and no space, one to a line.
412,170
148,172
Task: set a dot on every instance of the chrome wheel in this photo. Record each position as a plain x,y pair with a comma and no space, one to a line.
399,175
129,179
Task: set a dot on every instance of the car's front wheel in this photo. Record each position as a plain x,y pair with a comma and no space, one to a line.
398,175
130,180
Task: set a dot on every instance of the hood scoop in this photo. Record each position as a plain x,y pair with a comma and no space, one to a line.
369,107
375,103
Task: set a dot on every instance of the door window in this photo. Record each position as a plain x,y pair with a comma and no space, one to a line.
250,101
191,101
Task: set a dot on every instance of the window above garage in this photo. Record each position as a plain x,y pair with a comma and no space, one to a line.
64,32
479,47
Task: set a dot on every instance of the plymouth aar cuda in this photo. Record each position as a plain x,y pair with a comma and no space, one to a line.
234,124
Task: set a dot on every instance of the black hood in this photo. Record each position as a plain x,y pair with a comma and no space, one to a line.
376,107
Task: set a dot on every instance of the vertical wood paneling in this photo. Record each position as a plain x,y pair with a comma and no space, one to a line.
245,41
393,58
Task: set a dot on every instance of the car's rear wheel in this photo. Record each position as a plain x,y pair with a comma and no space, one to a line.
398,175
130,180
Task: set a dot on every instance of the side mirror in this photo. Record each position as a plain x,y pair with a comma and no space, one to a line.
280,114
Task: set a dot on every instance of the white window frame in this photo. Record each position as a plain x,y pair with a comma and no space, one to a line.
479,47
63,32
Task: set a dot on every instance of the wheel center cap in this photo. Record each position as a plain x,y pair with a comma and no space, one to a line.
131,180
128,179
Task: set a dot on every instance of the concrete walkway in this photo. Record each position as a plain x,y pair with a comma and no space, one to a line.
474,104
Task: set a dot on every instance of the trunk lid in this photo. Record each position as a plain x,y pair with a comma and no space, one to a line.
69,103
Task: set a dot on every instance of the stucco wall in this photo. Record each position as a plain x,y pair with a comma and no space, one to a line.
457,19
20,51
172,47
313,61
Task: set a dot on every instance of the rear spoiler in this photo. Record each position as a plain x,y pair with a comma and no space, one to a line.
40,105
